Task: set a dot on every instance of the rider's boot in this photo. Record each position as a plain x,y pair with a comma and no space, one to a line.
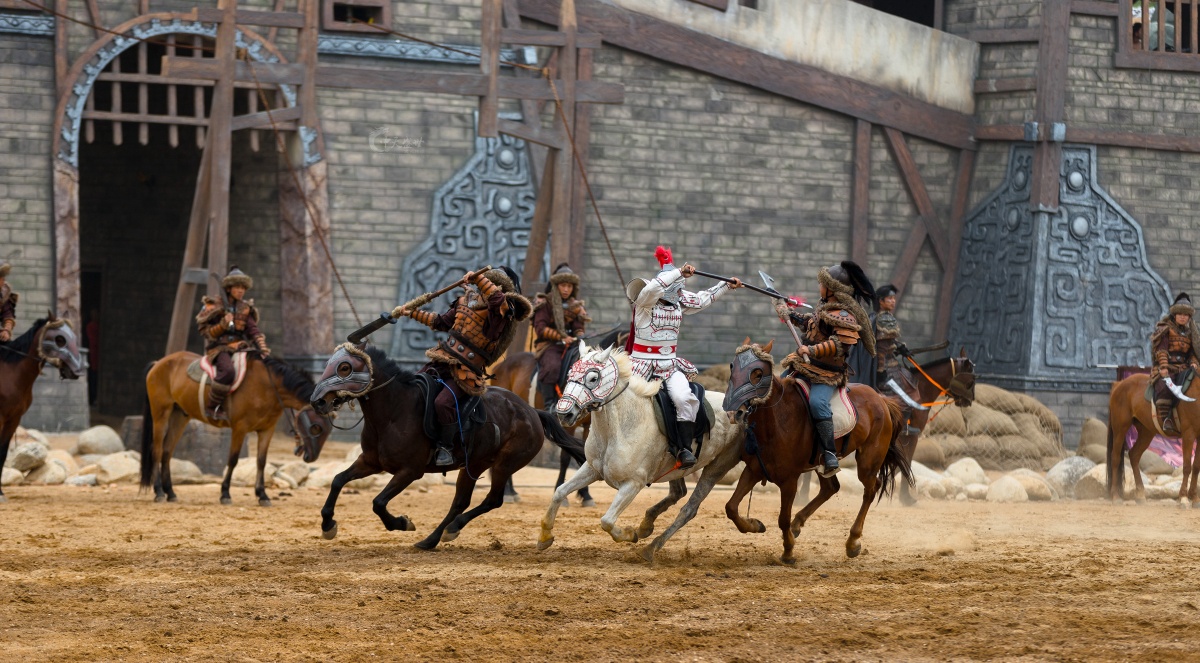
1165,417
909,429
445,444
549,395
216,398
683,453
827,461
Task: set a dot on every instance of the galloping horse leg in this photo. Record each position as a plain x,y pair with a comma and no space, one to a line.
787,497
357,470
1188,446
462,499
750,476
708,479
398,483
1135,459
160,425
1188,464
584,477
676,493
564,463
236,440
176,424
264,445
608,522
870,482
829,488
493,500
6,432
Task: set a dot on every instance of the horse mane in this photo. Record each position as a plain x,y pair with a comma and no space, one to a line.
295,380
21,345
637,384
387,367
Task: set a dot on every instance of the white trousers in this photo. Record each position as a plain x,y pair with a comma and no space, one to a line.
686,403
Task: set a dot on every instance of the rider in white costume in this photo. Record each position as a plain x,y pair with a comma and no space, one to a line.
660,304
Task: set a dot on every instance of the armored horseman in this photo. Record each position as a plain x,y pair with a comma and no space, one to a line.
830,332
8,304
480,326
889,350
659,306
228,325
1173,346
559,318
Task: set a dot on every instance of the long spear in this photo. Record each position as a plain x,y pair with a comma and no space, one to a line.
386,318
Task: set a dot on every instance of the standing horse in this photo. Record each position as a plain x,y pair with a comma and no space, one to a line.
394,440
779,426
627,451
949,376
49,341
270,386
1127,406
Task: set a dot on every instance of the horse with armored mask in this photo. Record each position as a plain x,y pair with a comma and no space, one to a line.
501,432
49,341
628,453
780,441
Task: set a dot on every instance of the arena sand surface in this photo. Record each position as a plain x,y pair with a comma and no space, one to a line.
105,574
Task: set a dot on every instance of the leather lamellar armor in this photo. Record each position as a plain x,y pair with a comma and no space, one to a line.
1172,346
8,303
468,343
829,333
887,334
575,319
219,337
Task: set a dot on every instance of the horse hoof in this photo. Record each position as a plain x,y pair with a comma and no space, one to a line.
788,559
329,533
648,553
425,544
759,527
172,498
853,551
1184,504
160,498
226,501
588,503
510,499
409,526
264,501
542,545
449,536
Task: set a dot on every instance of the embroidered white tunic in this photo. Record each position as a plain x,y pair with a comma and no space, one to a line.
656,325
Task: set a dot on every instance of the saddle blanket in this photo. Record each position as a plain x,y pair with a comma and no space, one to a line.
844,415
201,368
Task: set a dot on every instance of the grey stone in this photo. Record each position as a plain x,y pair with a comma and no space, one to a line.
296,469
954,486
64,458
118,468
50,473
1036,486
931,488
1007,489
1067,472
26,457
968,471
99,440
184,470
81,480
246,473
11,477
1152,463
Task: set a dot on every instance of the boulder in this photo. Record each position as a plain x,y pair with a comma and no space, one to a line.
1173,488
282,481
24,435
50,473
353,454
850,485
323,476
81,480
296,469
1094,484
983,420
949,421
1156,492
1006,489
118,468
920,470
929,452
245,475
11,477
100,440
731,477
1094,453
28,456
1063,476
976,491
89,459
931,489
968,471
1152,463
88,469
65,458
1164,479
184,471
1093,433
954,486
1036,486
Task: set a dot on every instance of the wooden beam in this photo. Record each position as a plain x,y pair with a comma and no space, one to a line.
530,111
720,5
251,17
859,194
1014,132
958,212
144,118
62,46
220,144
568,172
1095,8
579,197
1004,35
522,37
271,33
489,66
307,47
676,44
920,195
539,231
193,256
993,85
96,19
1164,142
1051,101
530,134
267,119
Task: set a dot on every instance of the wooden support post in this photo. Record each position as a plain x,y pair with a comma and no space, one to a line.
566,170
1051,101
859,195
539,231
190,274
220,145
489,65
531,112
962,190
62,61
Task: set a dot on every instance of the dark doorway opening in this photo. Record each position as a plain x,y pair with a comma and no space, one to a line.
917,11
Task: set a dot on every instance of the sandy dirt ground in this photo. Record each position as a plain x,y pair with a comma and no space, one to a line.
106,574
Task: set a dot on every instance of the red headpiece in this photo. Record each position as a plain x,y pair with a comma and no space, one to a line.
664,256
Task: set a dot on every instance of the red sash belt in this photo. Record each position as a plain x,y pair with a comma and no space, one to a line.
653,349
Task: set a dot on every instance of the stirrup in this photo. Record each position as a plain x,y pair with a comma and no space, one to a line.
216,414
686,458
829,465
443,457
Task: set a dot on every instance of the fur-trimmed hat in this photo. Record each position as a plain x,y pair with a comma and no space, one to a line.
1183,304
563,274
505,278
5,268
237,277
851,289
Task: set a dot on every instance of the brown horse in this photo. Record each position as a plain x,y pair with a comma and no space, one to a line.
778,424
270,386
1127,406
952,377
49,341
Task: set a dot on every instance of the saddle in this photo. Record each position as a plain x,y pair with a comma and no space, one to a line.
664,416
1185,381
471,412
844,414
202,371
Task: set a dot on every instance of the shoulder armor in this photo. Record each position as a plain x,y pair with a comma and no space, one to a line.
249,303
840,319
14,297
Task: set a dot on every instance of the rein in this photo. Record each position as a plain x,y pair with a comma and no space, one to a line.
942,391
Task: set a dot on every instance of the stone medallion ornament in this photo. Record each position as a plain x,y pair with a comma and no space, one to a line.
1054,299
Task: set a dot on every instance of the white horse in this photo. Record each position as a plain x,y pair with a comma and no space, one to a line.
627,451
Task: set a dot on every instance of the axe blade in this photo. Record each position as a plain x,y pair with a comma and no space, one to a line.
1177,391
891,384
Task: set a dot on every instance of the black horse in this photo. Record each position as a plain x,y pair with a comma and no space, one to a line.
394,438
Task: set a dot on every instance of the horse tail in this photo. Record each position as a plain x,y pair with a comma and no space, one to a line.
147,437
894,462
559,435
